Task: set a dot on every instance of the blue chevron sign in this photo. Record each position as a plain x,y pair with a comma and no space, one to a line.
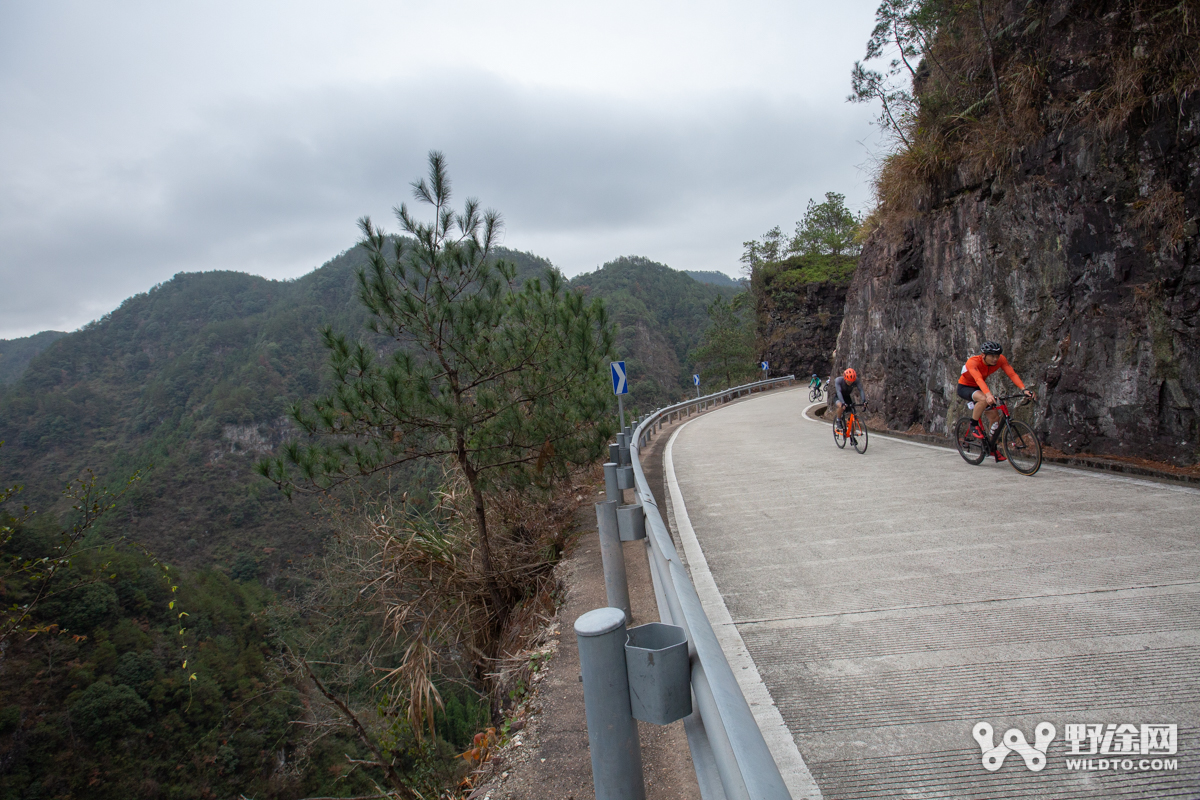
620,382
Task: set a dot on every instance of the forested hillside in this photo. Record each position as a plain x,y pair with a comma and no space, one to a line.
15,354
189,382
660,314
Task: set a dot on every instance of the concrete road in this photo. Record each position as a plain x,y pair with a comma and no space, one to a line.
892,601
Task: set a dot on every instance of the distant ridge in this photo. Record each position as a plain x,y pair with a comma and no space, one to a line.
15,354
713,277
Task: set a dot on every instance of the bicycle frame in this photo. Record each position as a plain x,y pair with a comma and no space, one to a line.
993,439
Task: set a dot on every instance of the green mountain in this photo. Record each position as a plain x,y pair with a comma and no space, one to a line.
15,354
190,382
660,313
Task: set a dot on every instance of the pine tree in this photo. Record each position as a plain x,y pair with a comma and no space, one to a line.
506,383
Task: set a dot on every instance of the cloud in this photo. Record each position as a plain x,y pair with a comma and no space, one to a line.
95,208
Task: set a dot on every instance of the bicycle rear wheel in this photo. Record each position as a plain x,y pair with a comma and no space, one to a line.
969,447
1022,447
839,437
858,435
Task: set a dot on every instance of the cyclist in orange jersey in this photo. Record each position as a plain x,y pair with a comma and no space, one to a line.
972,385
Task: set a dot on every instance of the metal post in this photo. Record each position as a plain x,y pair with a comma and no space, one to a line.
612,731
621,409
613,557
611,492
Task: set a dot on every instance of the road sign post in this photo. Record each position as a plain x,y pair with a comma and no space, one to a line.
620,387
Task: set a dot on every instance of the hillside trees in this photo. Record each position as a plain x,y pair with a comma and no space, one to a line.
31,576
726,350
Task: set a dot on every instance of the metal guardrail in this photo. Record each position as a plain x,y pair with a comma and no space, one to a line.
729,752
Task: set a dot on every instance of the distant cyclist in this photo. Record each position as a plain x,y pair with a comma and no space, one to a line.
844,386
972,385
814,382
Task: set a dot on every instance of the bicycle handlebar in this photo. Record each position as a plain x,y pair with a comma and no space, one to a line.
1001,399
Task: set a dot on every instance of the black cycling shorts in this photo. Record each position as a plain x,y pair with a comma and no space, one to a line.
967,392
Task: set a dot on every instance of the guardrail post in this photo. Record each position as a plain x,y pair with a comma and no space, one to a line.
623,449
612,556
611,492
612,731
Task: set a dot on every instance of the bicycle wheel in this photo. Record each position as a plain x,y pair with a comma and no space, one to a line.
970,448
1022,447
839,437
858,435
813,394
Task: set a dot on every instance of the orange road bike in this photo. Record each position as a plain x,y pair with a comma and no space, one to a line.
852,429
1021,445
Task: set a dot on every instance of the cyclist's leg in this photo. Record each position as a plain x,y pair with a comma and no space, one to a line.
840,406
977,411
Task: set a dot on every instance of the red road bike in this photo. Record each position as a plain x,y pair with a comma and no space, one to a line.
1020,443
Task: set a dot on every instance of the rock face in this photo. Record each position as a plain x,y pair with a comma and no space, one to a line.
799,329
1096,300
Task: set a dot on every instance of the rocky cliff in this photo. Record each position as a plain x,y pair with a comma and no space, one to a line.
798,328
1080,254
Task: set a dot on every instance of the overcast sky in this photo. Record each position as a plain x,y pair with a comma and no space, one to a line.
142,139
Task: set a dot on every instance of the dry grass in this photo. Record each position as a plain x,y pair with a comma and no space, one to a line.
403,602
1147,59
1162,217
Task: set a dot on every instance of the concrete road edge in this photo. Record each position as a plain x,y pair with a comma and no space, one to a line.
779,739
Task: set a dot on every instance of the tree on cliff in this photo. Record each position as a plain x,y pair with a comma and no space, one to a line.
505,384
827,229
726,349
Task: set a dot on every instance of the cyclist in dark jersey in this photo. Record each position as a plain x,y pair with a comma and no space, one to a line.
843,389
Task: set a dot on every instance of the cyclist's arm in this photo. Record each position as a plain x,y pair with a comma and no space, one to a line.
861,393
1012,373
837,385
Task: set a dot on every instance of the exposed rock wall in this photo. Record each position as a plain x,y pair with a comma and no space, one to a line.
799,329
1097,309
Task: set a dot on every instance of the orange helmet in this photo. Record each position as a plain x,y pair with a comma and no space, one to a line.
850,375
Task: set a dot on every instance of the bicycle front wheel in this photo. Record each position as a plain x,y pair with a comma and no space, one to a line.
1022,447
813,395
970,447
858,435
839,436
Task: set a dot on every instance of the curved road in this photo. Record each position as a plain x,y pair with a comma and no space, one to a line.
892,601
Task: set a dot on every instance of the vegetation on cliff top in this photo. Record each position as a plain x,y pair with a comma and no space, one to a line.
823,249
969,84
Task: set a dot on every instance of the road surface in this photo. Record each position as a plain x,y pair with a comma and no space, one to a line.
893,601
